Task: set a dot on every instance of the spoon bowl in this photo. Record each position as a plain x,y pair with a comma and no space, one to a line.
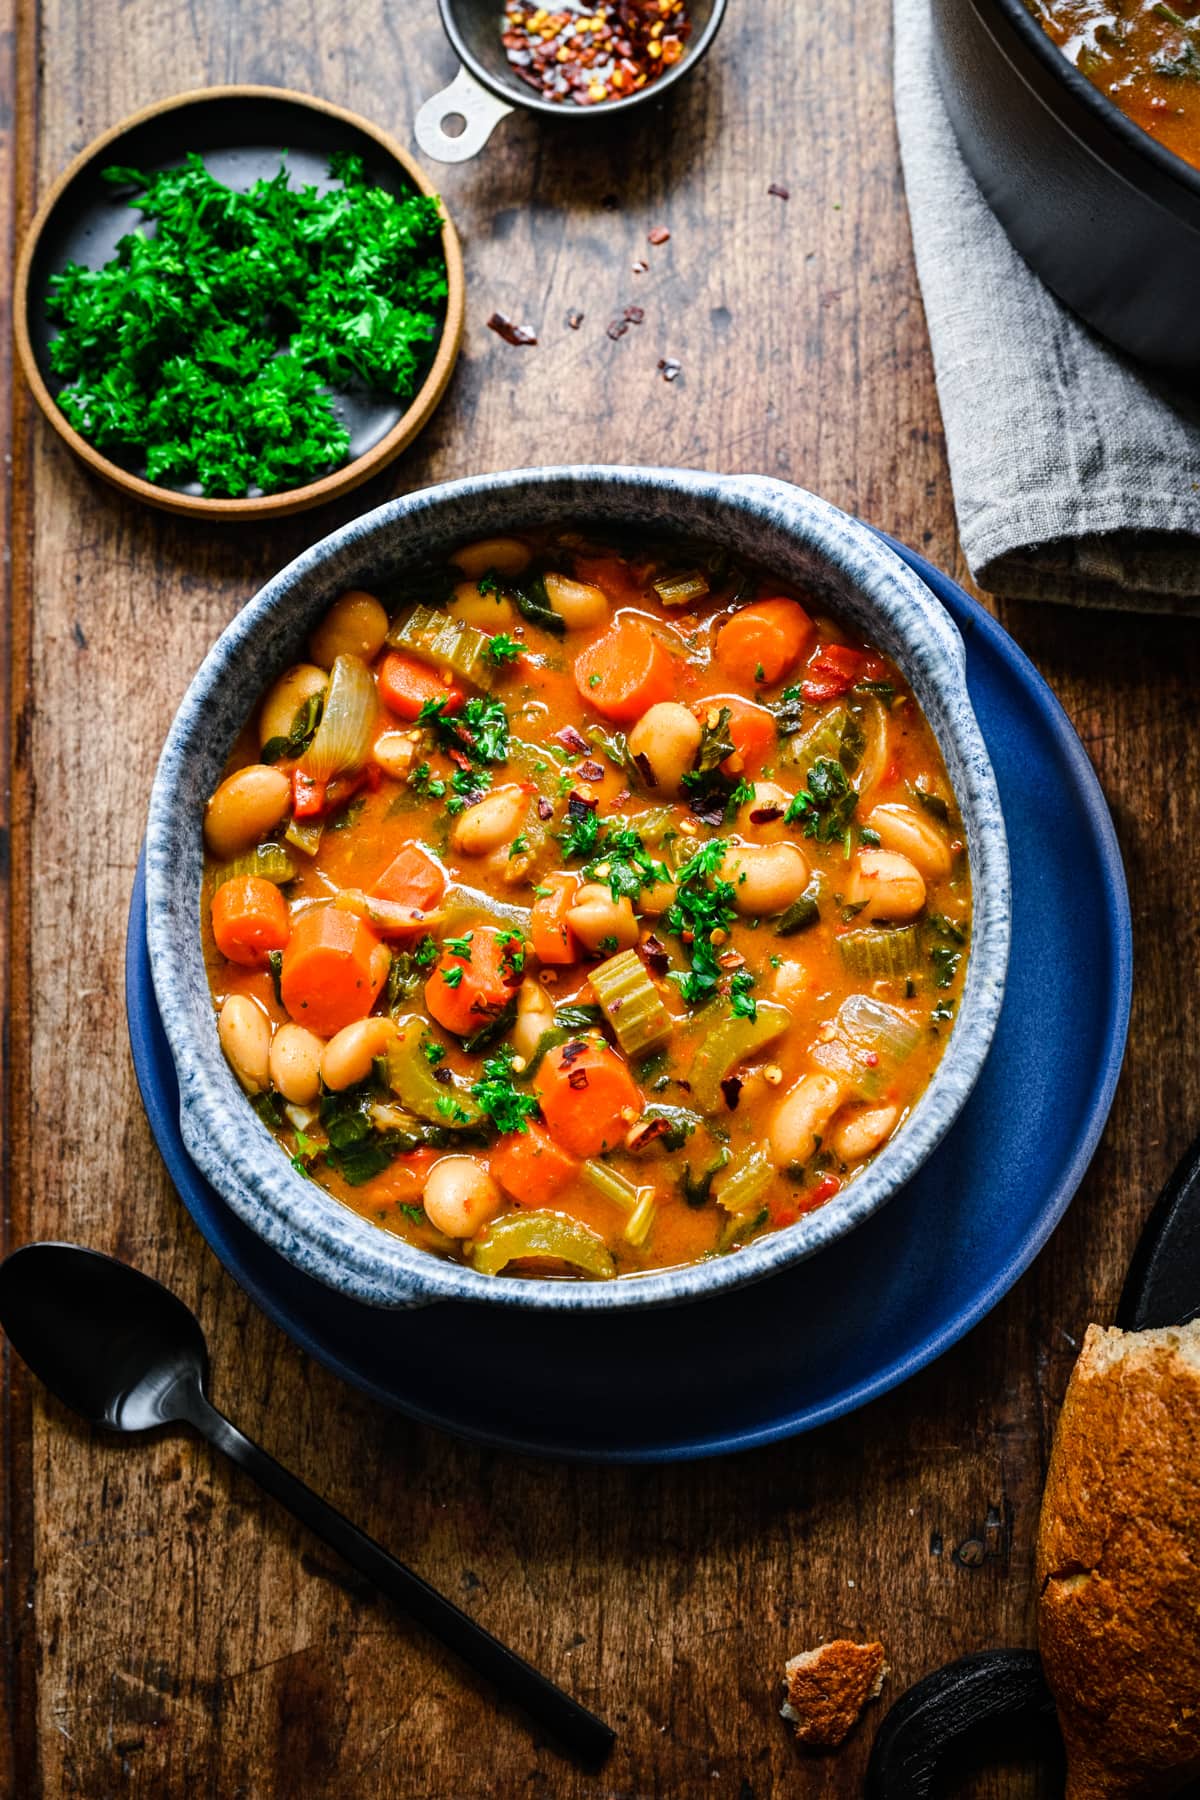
109,1342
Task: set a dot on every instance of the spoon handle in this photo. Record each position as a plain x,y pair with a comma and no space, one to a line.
579,1731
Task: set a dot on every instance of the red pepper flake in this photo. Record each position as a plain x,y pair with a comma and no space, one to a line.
574,318
570,739
659,235
577,1079
671,369
626,44
590,771
573,1051
780,192
545,808
634,314
510,331
731,1087
617,328
639,267
654,955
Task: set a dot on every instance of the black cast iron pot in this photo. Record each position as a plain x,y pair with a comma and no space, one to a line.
1107,217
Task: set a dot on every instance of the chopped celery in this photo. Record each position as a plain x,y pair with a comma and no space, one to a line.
741,1188
542,1236
445,643
416,1086
887,953
304,835
730,1042
631,1003
385,915
802,912
681,589
270,862
641,1219
611,1183
464,905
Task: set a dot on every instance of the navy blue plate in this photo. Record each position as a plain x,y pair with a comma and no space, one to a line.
805,1346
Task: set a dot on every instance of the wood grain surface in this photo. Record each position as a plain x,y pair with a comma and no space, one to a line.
168,1631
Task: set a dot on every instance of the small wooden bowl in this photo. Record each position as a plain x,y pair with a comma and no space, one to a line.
241,132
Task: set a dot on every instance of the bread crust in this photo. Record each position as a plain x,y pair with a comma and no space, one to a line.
827,1689
1118,1565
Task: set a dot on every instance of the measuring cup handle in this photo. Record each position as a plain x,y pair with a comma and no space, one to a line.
480,109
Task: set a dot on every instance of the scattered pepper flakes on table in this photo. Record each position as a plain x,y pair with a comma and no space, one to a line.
634,315
617,328
510,331
574,318
659,235
671,369
781,193
640,267
584,52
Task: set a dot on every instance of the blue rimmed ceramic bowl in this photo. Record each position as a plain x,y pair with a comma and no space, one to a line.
791,532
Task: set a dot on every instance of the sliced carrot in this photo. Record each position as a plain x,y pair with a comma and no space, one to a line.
764,641
411,879
249,918
530,1166
465,992
751,731
626,670
552,938
612,575
587,1096
333,969
406,684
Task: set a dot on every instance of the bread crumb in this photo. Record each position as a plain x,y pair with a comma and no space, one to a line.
827,1689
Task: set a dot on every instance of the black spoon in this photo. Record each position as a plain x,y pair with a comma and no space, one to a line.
955,1716
119,1348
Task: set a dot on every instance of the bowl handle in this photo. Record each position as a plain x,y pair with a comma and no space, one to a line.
766,487
470,101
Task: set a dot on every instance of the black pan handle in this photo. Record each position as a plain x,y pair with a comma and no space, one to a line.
1163,1283
958,1717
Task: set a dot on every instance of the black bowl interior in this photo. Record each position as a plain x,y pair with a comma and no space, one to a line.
474,28
242,139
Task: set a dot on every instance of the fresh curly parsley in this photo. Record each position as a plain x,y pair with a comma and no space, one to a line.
500,1098
205,350
704,904
825,807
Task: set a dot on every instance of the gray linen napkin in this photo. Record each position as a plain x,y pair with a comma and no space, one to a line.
1076,474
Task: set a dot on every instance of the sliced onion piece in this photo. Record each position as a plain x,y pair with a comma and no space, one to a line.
344,735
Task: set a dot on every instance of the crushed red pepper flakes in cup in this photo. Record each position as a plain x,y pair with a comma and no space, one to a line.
583,52
659,235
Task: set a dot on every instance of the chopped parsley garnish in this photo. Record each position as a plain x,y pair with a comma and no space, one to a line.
826,805
713,796
426,952
414,1213
518,847
621,859
741,1000
452,977
703,904
489,583
433,1052
581,838
499,1097
423,781
512,947
501,650
205,348
479,729
594,681
459,946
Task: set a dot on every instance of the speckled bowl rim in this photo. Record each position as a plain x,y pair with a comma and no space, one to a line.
786,528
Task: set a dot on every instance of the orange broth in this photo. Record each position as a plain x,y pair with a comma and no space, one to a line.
1143,54
836,725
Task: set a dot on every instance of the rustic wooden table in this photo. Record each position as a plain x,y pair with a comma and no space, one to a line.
167,1631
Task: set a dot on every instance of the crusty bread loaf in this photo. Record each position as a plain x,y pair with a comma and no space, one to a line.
827,1689
1118,1565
